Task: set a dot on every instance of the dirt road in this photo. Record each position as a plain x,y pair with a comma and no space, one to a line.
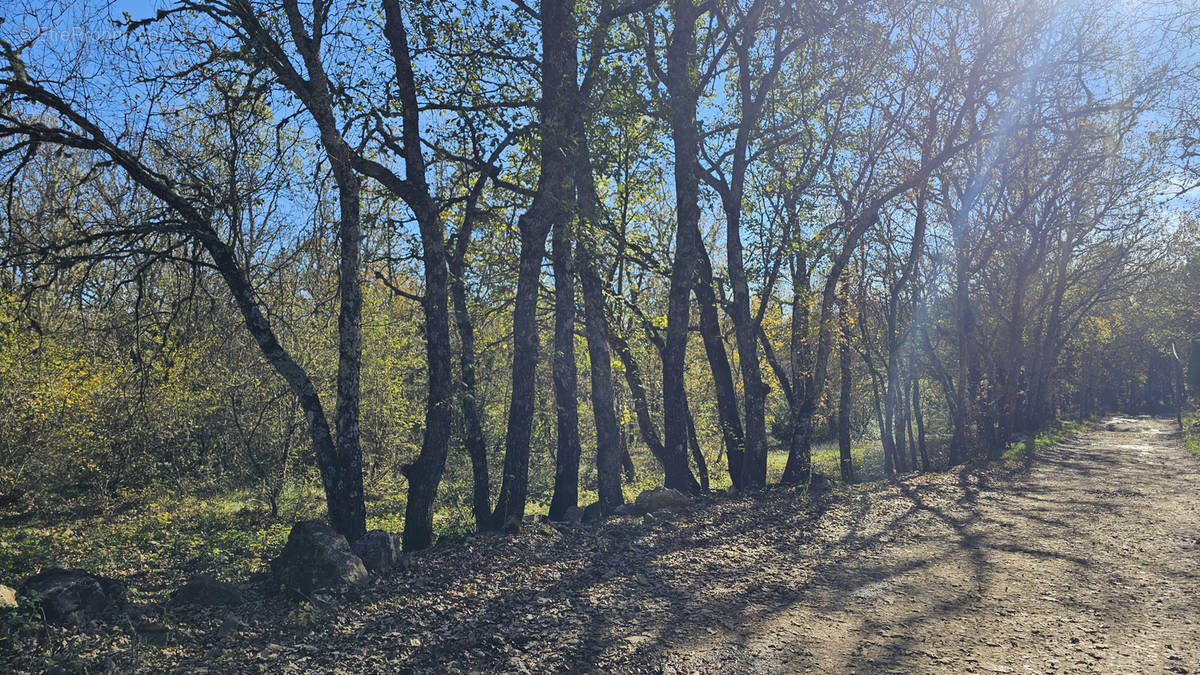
1089,562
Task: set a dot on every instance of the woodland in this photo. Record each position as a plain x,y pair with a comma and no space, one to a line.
459,271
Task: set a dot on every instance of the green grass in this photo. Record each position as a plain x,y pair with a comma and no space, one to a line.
154,541
1191,432
1019,450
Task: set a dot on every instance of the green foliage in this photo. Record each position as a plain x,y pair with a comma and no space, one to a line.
1031,445
1191,433
52,403
171,537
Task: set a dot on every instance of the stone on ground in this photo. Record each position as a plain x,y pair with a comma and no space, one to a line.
203,589
316,558
73,597
379,551
593,513
573,515
659,499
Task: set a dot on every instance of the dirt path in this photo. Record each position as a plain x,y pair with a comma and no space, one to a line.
1089,562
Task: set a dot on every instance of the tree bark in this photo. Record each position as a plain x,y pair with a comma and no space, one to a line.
682,90
473,439
425,474
347,510
637,391
801,406
718,363
697,454
919,416
754,461
845,459
349,518
608,431
552,203
566,460
610,451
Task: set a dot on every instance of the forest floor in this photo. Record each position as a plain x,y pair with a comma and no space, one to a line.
1085,557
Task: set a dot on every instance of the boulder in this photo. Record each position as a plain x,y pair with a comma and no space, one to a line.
73,597
819,484
573,515
316,558
593,513
659,499
202,589
8,597
379,551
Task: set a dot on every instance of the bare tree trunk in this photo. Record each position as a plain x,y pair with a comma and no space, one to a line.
697,455
683,95
637,391
801,406
566,460
626,459
552,203
754,461
350,517
718,362
885,432
845,459
894,411
608,432
908,427
609,449
919,416
426,473
510,504
473,439
342,512
344,486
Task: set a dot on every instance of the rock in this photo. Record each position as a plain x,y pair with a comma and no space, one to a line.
202,589
573,515
624,510
379,551
819,484
593,514
230,626
8,597
73,597
659,499
317,558
153,632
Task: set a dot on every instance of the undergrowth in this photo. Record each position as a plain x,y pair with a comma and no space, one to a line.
1191,432
155,540
1019,450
